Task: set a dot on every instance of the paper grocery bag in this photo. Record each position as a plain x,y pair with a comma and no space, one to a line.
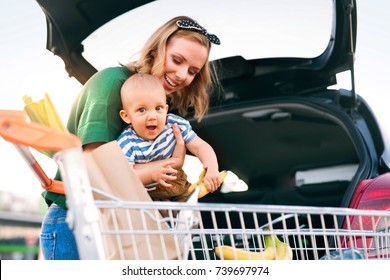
110,172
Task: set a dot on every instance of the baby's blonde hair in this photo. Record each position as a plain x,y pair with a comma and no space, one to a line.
135,81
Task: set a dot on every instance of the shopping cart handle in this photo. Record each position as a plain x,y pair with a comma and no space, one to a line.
55,187
16,128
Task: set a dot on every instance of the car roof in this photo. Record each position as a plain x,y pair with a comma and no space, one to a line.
70,22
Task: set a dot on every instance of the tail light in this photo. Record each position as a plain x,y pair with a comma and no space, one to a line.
372,231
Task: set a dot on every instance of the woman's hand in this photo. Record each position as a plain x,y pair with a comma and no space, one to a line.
180,149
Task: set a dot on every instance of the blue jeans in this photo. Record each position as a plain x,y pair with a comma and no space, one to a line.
57,240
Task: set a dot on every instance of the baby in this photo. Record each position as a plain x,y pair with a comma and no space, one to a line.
149,137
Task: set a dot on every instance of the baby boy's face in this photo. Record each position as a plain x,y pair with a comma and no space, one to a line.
148,111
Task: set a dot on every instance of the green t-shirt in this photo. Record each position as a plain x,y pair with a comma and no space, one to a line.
95,114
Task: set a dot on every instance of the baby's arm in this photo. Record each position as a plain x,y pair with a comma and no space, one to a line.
207,156
158,171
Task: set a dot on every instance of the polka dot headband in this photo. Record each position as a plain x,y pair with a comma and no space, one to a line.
193,26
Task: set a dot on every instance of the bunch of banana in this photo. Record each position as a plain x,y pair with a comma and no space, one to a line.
230,253
274,250
203,190
44,112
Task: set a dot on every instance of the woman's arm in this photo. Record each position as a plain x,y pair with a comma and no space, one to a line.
179,152
92,146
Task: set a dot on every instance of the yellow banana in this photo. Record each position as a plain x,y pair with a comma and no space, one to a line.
231,253
274,250
283,250
52,114
43,112
203,190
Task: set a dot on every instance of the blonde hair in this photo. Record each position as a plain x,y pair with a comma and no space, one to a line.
139,80
195,95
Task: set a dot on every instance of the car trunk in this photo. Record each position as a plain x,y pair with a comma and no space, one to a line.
297,151
285,151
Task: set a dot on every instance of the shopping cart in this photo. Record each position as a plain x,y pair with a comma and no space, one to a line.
108,227
304,229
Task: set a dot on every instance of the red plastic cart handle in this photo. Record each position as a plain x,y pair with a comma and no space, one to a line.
16,128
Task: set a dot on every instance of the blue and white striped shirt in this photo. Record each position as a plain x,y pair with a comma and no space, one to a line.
139,150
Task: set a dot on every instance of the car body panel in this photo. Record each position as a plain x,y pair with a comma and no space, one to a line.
283,110
69,23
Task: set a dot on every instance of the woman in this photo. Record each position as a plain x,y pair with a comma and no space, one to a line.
177,53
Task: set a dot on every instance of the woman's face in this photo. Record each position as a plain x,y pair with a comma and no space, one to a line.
184,59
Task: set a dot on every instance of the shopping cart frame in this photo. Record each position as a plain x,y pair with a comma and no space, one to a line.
311,239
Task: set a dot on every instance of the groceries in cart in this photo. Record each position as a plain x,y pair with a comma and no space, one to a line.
274,249
44,112
344,254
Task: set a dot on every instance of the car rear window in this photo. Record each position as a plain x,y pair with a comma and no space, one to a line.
251,28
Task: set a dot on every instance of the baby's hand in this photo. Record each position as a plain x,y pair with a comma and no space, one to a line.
212,180
164,173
